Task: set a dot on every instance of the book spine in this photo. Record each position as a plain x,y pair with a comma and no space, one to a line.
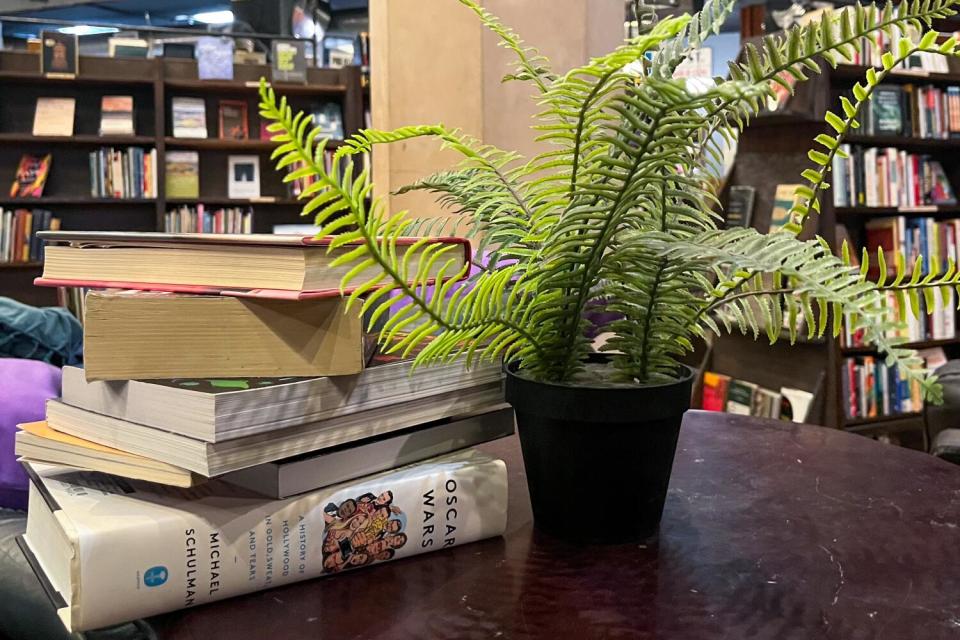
183,558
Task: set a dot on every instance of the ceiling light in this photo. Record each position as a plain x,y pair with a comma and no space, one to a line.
214,17
87,30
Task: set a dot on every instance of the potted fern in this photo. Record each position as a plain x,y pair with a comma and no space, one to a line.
618,215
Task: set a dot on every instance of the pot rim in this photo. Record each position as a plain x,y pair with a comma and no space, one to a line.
511,369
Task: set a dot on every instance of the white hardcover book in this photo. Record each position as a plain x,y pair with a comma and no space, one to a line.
117,550
216,458
309,472
217,410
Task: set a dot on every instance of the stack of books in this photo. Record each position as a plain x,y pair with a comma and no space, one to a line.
232,431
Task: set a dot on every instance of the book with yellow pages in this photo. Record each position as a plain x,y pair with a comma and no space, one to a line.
37,442
143,335
262,265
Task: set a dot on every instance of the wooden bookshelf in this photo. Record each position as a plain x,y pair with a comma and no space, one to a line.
153,83
772,151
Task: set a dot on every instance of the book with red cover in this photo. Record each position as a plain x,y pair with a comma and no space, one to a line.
715,391
247,265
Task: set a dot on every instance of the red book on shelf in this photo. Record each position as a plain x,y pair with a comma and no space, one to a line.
283,267
715,391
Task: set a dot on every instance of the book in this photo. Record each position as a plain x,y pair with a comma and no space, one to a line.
715,387
311,471
232,116
37,442
886,116
59,55
243,177
214,58
795,404
31,176
268,264
182,174
740,396
116,116
740,206
241,56
329,117
149,549
54,116
289,61
127,48
153,334
783,200
183,50
216,458
189,117
220,409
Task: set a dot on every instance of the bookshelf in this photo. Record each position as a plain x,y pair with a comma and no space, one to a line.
773,151
152,83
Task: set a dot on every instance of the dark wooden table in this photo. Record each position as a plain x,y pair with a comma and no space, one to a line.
770,530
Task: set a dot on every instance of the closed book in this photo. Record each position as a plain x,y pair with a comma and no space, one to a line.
153,334
715,387
273,266
740,206
886,111
113,550
216,458
37,442
740,397
293,476
54,116
218,409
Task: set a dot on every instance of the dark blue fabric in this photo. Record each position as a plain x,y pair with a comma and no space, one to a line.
50,334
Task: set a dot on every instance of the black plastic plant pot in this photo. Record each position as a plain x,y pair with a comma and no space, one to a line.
598,459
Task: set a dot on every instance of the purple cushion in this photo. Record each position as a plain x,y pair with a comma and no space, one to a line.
25,386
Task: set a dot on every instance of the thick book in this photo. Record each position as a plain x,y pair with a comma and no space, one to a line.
131,260
130,334
294,476
37,442
112,550
219,409
216,458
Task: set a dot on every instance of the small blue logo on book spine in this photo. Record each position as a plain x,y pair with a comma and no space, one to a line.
155,576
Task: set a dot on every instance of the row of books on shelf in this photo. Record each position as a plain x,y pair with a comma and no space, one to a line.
189,118
200,219
914,111
940,324
18,234
934,242
875,390
873,47
723,393
342,455
888,177
123,173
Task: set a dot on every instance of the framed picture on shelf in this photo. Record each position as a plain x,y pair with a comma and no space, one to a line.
233,120
243,177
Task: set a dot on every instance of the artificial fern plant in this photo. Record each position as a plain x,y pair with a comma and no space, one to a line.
620,212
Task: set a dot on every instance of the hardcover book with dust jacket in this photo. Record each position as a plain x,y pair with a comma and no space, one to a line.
112,550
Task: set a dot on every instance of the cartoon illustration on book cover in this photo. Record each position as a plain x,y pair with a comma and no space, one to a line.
361,531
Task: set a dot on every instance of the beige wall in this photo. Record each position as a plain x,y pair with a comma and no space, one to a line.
432,61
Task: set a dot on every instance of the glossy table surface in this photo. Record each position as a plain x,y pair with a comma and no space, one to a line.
771,530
